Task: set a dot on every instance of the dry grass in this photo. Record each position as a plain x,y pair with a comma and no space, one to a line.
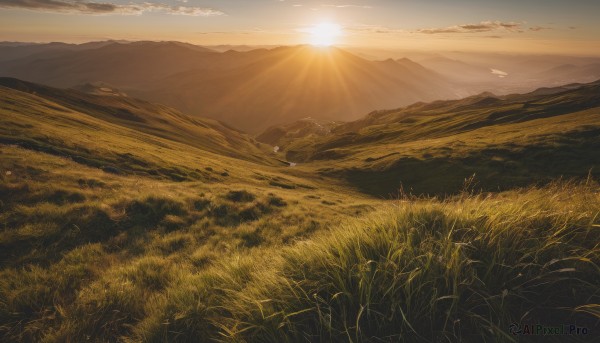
111,234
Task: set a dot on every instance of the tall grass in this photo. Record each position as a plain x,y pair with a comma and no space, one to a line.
462,269
88,256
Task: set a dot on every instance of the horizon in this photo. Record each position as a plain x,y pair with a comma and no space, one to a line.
379,52
534,26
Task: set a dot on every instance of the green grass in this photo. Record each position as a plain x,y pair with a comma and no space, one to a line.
138,115
111,234
133,259
421,270
78,242
432,148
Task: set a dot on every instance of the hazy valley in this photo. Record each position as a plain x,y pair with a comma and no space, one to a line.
255,89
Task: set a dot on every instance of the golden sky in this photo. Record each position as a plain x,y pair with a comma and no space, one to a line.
540,26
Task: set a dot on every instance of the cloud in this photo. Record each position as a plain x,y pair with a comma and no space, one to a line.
83,7
65,6
182,10
347,6
373,29
539,28
484,26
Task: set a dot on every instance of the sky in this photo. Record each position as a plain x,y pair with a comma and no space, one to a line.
527,26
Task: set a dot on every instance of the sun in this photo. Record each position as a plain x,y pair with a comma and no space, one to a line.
324,34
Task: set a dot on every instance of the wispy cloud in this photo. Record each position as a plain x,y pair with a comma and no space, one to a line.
99,8
347,6
539,28
334,6
373,29
484,26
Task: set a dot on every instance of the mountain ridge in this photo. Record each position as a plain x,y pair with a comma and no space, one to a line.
141,116
542,135
327,83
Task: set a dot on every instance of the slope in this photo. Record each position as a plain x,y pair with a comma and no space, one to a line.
136,115
282,135
111,232
433,148
94,195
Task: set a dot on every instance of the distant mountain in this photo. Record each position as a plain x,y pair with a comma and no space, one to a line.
125,65
119,114
289,83
240,48
250,90
14,50
506,141
571,73
511,73
459,70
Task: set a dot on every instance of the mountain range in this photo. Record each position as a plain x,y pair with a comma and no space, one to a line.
250,90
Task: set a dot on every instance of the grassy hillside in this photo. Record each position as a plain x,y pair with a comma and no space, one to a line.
423,271
84,197
125,113
432,148
125,221
92,256
67,227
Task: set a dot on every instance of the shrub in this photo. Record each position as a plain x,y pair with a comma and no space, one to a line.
149,211
240,196
276,201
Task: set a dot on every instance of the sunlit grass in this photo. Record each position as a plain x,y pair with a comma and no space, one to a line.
425,270
138,259
84,252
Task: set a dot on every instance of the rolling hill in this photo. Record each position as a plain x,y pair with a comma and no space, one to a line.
433,148
126,114
249,90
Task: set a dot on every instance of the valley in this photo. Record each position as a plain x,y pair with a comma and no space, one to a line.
253,89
